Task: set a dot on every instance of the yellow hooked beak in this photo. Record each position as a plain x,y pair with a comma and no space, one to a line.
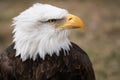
72,22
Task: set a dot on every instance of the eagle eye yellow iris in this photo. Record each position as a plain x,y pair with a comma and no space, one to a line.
52,21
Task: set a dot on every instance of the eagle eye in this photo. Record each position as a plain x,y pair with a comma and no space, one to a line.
51,20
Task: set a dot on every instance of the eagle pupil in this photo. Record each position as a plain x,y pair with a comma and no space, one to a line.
52,20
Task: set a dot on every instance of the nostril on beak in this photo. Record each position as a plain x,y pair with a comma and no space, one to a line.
70,19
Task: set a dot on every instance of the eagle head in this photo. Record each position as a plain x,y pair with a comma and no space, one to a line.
43,29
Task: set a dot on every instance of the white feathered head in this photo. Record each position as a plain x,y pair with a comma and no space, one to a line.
43,29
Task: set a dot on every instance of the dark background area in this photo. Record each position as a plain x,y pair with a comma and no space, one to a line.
101,39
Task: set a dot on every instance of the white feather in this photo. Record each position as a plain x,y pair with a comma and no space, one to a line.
33,37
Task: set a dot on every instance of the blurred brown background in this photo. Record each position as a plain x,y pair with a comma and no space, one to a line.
101,39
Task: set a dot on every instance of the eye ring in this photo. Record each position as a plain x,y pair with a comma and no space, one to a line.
52,21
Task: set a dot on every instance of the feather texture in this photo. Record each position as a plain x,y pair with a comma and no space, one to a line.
34,36
74,66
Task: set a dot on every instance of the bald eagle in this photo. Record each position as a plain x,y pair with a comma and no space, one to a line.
41,49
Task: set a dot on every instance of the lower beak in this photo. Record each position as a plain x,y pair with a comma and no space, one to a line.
72,22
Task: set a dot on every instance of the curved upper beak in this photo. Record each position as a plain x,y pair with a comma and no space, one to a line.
72,22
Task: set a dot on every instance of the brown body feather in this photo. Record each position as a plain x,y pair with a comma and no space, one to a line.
74,66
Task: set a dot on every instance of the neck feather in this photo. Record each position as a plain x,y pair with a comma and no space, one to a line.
29,45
